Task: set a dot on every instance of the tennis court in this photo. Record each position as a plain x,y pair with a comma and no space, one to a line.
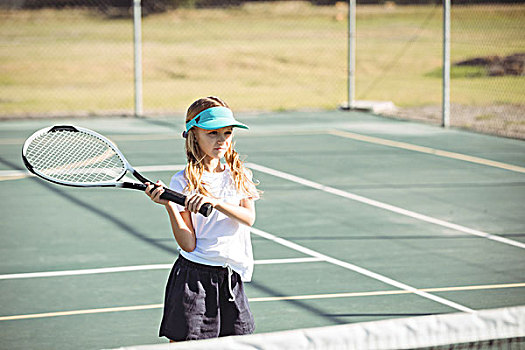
362,218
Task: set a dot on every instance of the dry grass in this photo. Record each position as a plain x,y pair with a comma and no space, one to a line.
275,56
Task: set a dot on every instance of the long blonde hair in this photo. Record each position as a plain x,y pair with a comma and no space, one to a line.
242,176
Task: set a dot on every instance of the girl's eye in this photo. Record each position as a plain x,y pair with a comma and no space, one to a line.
213,132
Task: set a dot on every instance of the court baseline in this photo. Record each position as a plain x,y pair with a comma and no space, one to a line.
135,268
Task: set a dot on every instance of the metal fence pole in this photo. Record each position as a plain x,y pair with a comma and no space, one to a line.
446,65
351,53
137,55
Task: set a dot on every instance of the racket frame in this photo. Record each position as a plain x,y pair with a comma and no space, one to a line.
111,183
168,194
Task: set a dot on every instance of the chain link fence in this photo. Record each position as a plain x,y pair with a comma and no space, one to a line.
65,57
488,67
75,57
401,61
256,55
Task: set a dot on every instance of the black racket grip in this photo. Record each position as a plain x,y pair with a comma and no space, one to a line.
180,199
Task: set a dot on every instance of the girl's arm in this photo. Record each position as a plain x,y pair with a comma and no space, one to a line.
181,224
244,212
182,227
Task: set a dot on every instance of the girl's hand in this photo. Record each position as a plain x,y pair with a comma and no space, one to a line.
195,202
154,192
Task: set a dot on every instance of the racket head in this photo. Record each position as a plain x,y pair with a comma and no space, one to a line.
74,156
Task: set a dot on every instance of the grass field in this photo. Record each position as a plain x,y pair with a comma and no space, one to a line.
275,56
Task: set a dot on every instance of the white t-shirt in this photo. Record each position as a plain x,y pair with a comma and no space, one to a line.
220,240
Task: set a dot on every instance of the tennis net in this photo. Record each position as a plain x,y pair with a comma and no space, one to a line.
485,329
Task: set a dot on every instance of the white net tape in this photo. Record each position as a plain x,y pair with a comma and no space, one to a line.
471,330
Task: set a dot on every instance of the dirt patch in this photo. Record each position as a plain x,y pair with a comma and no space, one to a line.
501,120
498,66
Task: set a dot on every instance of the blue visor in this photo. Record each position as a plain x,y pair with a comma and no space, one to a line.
214,118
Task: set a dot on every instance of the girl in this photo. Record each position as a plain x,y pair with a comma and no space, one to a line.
204,294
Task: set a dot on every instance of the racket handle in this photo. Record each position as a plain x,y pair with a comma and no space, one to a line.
180,199
170,195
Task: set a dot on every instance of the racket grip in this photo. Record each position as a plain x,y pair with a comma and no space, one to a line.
180,199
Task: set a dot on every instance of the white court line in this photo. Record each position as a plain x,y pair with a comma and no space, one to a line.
85,271
81,312
266,299
359,270
153,168
286,261
387,292
6,175
136,268
175,136
19,174
382,205
14,173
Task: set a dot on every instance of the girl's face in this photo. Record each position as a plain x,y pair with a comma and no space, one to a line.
214,143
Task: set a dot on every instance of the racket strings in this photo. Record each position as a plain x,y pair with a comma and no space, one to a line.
74,157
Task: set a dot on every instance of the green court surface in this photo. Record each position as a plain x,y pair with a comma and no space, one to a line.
362,218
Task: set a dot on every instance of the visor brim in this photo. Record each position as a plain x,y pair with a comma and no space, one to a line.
220,123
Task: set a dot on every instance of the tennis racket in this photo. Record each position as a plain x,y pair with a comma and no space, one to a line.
74,156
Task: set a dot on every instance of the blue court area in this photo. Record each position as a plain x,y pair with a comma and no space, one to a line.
362,218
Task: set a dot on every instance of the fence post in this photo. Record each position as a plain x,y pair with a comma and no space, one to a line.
137,55
351,53
445,108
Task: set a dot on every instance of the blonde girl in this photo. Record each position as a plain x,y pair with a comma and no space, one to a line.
204,295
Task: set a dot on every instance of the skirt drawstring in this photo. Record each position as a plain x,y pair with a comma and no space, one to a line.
230,275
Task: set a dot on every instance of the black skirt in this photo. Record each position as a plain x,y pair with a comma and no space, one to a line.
203,302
